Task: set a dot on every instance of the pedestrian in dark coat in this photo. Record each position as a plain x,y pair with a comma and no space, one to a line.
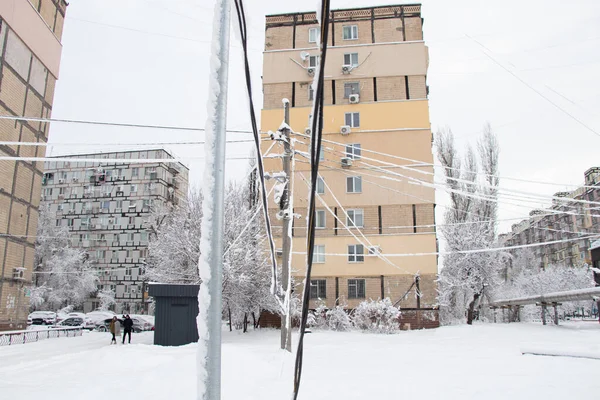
128,327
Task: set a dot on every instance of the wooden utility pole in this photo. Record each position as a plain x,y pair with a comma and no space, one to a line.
286,210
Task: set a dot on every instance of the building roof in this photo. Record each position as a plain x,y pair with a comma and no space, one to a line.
412,9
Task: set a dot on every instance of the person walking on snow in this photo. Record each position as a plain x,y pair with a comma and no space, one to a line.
128,325
115,329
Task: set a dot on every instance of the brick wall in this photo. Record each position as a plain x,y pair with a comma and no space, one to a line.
388,30
414,28
417,87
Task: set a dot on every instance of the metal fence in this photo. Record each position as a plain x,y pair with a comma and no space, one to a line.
22,337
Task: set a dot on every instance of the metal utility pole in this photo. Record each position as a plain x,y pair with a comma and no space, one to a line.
287,205
211,260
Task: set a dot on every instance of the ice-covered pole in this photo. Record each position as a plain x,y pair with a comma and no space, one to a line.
211,242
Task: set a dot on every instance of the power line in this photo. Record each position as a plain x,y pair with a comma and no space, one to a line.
119,124
580,122
114,160
473,251
43,144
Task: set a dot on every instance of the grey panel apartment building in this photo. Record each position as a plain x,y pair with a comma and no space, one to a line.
106,205
564,220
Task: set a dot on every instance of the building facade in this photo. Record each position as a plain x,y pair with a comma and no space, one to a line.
30,50
376,134
106,205
564,220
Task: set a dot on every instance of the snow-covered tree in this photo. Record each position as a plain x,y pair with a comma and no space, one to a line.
174,252
378,316
107,299
174,241
469,224
63,275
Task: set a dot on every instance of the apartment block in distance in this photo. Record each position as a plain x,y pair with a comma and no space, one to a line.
567,220
30,51
376,121
106,205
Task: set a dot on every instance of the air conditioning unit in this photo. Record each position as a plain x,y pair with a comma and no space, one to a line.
19,273
354,98
311,71
279,252
74,179
61,181
345,129
346,162
346,69
308,131
375,250
71,211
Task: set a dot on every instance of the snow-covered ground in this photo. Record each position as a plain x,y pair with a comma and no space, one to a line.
460,362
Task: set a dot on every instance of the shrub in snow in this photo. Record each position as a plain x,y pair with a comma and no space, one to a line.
338,319
318,318
378,316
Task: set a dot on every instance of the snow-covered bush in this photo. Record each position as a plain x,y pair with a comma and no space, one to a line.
378,316
338,319
318,318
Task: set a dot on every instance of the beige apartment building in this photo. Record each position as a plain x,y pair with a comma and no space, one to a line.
30,50
377,133
568,222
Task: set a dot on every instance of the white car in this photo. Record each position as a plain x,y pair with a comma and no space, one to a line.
42,318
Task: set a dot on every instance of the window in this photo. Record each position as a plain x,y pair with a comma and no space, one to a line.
57,222
106,205
313,61
320,219
144,237
350,32
352,119
69,222
146,203
351,88
311,93
135,171
351,59
150,170
356,288
312,35
355,217
318,289
322,153
320,185
356,253
133,188
319,253
119,204
353,184
128,272
100,254
353,151
48,191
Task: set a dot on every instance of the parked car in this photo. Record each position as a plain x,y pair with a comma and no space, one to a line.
69,322
138,325
145,321
42,318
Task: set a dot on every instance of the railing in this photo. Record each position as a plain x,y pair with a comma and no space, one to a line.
22,337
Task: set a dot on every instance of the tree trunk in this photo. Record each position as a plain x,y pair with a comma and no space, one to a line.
230,326
245,322
254,320
471,311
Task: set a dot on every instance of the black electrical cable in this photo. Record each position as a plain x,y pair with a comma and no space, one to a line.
315,150
239,6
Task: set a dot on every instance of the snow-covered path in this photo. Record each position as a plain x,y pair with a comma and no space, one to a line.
479,362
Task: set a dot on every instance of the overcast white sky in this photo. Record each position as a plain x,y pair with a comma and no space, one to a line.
146,61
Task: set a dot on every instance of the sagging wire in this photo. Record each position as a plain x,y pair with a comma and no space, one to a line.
241,16
315,150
